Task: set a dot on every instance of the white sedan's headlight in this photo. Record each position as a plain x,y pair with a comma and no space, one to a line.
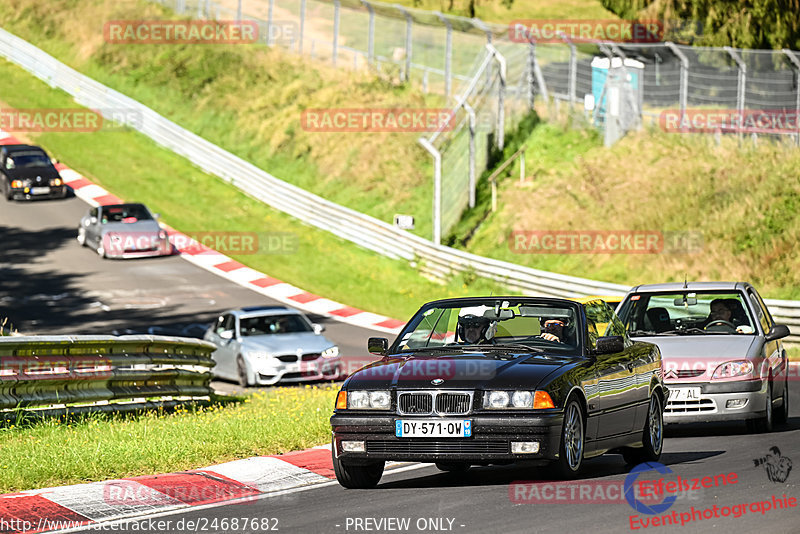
735,368
369,400
331,352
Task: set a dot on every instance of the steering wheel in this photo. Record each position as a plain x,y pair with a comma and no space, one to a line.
722,322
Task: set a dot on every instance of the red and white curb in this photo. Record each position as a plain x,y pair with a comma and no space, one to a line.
225,267
243,481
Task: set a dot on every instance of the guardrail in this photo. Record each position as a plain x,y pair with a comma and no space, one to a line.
436,261
91,373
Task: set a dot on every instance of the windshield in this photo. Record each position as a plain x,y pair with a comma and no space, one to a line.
126,213
273,324
689,313
520,325
28,160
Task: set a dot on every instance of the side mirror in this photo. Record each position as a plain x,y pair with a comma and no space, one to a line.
778,331
156,215
318,328
609,345
378,345
226,334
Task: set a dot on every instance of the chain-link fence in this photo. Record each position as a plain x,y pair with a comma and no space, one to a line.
482,68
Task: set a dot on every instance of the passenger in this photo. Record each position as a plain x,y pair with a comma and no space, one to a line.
553,330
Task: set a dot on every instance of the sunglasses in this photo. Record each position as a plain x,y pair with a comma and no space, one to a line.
554,322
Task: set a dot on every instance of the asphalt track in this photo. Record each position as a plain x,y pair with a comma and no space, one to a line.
51,285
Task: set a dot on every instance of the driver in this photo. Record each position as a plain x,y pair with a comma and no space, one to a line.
475,329
721,311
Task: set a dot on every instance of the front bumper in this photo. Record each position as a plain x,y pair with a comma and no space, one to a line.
26,193
491,439
712,405
319,369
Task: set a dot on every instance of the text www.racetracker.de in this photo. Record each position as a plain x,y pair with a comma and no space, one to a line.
202,524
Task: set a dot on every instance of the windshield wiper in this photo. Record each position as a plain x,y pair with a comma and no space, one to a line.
635,333
515,346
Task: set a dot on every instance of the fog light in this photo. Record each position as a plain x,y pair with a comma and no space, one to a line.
353,446
736,403
524,447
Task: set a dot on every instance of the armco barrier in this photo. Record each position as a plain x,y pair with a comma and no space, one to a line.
437,261
102,372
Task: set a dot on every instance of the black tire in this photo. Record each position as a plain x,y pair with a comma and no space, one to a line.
573,441
652,436
453,467
241,372
6,190
782,413
763,424
357,476
81,237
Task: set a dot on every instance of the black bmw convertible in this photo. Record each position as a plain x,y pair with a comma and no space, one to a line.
497,380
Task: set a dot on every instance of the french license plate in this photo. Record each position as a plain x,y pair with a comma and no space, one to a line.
40,191
684,394
433,428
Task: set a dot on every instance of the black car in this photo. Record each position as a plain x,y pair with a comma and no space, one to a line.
27,172
495,380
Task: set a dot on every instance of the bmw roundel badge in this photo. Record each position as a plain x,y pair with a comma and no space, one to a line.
437,381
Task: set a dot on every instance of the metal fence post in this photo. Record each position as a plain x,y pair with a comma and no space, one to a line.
742,79
239,11
501,114
684,79
302,26
437,189
472,183
269,21
536,76
448,53
573,69
337,6
409,42
796,62
371,32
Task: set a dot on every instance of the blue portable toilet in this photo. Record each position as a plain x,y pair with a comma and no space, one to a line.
602,67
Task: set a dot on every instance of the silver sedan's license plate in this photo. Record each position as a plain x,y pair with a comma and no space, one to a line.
433,428
684,394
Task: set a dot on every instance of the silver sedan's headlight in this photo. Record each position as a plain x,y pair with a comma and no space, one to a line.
331,352
731,369
369,400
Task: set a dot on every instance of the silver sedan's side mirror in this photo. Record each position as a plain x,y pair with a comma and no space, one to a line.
318,328
226,334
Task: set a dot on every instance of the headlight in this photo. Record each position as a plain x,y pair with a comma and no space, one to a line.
331,352
56,181
16,183
162,235
498,400
369,400
731,369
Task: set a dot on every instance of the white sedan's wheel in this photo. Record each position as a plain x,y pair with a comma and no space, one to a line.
82,237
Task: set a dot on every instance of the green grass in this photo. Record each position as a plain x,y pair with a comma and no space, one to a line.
501,12
742,201
133,167
100,447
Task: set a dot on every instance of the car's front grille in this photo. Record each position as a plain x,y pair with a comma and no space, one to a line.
415,403
453,403
311,356
288,358
692,406
445,402
441,447
689,373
